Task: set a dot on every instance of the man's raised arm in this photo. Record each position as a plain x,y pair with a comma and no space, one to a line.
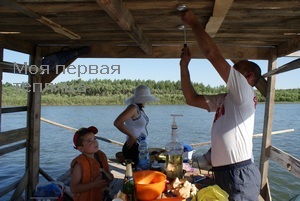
207,45
191,96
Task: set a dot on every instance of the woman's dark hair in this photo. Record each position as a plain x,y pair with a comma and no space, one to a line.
140,106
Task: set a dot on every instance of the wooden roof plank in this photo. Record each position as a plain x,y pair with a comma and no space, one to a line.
17,6
12,43
172,51
260,25
290,46
56,27
118,12
215,21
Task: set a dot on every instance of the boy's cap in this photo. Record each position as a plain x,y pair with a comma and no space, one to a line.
83,131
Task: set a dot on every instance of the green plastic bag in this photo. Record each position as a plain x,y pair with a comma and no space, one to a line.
211,193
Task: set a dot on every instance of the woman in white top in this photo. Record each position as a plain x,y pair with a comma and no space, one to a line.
133,122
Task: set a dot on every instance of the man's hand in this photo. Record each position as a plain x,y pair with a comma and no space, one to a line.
185,57
188,17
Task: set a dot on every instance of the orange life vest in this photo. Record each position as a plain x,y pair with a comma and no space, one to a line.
90,169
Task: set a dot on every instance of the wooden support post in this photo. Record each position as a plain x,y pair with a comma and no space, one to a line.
267,129
33,122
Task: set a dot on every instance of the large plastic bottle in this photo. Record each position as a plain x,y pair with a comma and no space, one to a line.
144,160
174,154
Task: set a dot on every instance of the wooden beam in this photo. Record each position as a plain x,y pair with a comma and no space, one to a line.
167,52
121,15
261,86
13,109
221,8
34,125
12,148
287,161
56,27
238,53
284,68
17,195
12,136
267,129
12,43
9,67
289,47
45,175
5,190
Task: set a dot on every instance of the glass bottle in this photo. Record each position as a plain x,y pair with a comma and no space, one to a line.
174,154
128,183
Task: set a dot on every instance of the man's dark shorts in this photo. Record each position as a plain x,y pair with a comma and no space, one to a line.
241,180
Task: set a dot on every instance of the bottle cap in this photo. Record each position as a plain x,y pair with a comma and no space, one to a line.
174,125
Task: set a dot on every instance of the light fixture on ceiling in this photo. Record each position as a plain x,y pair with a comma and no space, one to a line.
181,7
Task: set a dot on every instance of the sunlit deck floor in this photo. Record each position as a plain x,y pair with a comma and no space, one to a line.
117,170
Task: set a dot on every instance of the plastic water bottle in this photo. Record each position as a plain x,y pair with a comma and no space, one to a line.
144,160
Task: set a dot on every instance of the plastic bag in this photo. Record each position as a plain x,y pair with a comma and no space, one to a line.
49,190
211,193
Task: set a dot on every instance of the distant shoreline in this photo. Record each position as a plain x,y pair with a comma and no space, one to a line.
114,92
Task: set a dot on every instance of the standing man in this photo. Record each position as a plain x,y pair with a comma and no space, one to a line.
233,125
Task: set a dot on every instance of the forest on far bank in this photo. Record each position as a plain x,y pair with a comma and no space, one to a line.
114,92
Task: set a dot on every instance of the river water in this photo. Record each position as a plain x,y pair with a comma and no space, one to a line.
194,127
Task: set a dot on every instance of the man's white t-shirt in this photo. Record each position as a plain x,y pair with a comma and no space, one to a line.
232,129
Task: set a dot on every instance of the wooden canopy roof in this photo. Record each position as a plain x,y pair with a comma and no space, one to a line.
242,29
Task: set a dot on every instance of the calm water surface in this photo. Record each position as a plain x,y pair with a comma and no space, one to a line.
57,147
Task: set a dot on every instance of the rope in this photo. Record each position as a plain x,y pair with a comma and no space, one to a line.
74,129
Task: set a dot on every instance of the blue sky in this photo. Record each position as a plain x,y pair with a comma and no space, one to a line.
150,69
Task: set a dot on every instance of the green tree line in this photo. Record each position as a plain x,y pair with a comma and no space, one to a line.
114,92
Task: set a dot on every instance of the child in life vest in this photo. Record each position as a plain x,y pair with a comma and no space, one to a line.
90,174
